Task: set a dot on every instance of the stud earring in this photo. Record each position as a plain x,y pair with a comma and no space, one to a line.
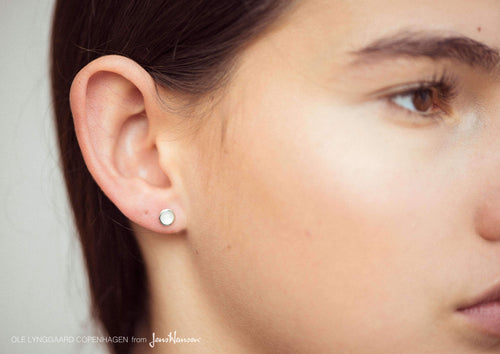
167,217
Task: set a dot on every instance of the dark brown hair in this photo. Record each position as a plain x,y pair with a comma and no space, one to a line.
185,45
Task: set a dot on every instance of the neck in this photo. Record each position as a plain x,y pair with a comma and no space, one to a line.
182,316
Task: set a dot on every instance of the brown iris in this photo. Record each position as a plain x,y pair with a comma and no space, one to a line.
423,100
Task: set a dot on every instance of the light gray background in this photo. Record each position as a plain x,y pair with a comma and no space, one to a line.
43,287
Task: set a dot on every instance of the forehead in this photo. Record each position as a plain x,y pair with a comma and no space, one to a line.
350,24
318,37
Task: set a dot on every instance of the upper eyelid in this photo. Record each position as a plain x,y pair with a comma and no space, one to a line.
445,79
403,89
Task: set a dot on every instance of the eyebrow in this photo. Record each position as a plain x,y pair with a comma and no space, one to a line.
418,44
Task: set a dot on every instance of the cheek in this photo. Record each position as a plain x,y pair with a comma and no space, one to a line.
320,220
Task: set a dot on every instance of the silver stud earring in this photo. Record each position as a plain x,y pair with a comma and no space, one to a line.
167,217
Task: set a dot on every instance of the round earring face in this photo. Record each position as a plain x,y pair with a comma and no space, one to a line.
167,217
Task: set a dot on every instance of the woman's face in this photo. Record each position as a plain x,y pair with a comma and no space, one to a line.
346,197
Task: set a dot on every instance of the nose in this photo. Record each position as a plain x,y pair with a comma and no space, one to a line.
487,219
488,215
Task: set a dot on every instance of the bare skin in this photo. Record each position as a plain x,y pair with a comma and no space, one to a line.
320,207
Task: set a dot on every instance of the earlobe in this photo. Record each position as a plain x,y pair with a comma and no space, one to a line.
114,110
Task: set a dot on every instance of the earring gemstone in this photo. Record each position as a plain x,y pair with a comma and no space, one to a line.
167,217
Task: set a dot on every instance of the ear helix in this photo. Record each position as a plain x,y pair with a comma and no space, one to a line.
167,217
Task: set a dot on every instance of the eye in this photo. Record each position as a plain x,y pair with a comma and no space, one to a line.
424,101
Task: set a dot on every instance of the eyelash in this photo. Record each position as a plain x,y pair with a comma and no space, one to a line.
443,89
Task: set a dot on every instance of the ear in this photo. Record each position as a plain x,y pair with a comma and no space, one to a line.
117,118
